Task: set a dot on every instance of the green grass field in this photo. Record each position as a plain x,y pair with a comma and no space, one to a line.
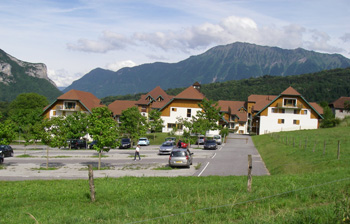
307,185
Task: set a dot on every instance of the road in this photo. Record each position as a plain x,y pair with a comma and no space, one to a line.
230,158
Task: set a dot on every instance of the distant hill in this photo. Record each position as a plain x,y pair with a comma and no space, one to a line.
222,63
18,77
325,86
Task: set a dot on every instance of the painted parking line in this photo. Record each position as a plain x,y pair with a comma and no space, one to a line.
213,156
203,170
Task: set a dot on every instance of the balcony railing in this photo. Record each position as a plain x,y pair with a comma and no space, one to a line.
296,106
60,107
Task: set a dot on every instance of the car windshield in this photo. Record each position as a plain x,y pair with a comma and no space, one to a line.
217,137
2,146
142,139
178,154
167,144
125,140
210,141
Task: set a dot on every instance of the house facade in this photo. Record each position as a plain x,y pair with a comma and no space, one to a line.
339,107
234,116
70,103
286,112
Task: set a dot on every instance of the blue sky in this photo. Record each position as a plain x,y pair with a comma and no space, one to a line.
72,37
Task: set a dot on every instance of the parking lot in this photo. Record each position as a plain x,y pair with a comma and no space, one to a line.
72,164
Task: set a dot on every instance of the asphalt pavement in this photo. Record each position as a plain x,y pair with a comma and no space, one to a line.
231,158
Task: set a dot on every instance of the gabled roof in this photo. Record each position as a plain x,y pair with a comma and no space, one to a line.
233,107
190,93
118,106
88,100
261,101
155,94
290,92
317,107
340,103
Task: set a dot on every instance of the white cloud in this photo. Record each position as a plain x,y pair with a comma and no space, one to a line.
345,37
62,78
115,66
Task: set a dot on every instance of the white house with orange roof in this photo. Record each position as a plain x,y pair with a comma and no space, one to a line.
339,107
286,112
72,102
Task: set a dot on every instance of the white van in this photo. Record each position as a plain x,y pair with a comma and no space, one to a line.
218,139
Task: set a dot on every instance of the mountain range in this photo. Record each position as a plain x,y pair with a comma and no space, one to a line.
222,63
18,77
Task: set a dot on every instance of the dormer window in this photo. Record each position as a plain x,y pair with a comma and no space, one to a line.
69,105
290,102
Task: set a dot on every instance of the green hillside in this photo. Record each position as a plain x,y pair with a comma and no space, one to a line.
327,86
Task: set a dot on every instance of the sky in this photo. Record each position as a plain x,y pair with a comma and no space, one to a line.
73,37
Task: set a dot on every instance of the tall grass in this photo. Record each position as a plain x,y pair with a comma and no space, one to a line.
305,187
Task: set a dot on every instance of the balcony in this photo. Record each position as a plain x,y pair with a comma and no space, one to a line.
62,108
293,106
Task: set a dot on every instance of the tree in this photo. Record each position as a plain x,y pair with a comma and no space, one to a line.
207,118
76,125
328,118
103,129
26,108
133,123
7,131
155,122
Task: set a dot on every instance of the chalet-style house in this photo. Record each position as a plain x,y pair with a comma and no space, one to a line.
234,116
71,102
286,112
339,107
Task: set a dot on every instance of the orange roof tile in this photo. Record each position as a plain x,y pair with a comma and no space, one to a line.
155,94
261,101
317,107
234,107
340,103
89,100
190,93
290,91
118,106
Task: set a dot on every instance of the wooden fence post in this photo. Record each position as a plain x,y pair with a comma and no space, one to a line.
250,167
91,183
338,154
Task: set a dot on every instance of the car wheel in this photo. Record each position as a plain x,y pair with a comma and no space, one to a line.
11,154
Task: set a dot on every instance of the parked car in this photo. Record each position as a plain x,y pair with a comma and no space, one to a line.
218,139
77,144
180,157
125,143
1,158
166,147
210,144
143,141
91,146
6,150
200,140
172,139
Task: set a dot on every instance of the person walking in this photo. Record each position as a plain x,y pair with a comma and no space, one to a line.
137,152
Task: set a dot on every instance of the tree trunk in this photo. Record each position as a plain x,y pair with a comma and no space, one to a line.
99,159
91,183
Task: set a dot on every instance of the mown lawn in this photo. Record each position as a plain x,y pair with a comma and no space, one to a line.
305,186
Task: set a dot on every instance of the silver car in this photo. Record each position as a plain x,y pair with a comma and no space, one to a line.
180,157
166,147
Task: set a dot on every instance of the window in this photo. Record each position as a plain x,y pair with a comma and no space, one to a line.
144,109
174,109
290,102
188,112
179,126
296,111
54,113
281,121
304,112
69,105
274,110
297,122
171,125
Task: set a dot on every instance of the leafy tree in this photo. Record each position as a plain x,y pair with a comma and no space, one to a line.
155,121
328,118
76,125
103,129
207,118
26,109
347,106
133,123
7,133
53,132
